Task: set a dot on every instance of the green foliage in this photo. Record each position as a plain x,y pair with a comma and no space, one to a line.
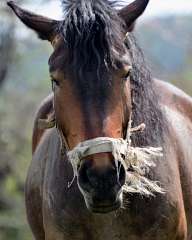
167,45
27,84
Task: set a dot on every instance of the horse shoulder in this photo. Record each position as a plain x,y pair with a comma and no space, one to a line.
34,181
178,109
34,185
175,98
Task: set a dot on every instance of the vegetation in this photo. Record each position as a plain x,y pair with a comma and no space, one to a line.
167,45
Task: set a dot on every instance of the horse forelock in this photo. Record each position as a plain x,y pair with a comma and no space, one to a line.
92,31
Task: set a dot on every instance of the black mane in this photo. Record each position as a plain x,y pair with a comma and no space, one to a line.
145,101
92,30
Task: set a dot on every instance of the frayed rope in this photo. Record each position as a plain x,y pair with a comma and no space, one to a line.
136,161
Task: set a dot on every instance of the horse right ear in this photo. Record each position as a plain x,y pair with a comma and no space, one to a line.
46,28
132,12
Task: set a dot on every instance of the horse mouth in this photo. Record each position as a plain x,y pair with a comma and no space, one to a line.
104,208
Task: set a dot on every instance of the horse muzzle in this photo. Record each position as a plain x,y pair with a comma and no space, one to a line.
101,186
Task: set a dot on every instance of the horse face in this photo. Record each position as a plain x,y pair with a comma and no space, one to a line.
81,115
86,108
91,103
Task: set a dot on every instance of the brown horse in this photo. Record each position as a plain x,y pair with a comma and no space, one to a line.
95,94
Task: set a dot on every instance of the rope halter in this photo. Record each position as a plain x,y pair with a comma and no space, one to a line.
136,161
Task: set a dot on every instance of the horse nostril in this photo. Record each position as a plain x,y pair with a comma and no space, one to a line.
83,178
93,179
122,175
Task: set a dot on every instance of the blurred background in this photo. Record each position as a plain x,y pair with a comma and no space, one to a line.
165,34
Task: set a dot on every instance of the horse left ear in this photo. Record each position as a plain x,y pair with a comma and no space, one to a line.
131,12
43,26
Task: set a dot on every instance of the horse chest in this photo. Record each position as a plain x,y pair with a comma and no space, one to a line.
66,215
144,218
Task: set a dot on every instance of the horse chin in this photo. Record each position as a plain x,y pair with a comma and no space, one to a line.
102,206
102,209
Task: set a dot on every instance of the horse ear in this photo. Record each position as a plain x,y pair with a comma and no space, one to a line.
131,12
43,26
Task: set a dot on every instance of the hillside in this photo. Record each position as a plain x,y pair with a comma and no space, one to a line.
166,43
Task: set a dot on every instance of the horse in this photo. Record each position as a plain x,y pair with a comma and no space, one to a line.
102,93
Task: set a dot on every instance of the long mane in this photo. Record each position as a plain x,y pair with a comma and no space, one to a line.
146,106
92,31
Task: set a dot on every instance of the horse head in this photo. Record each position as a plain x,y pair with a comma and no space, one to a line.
90,70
